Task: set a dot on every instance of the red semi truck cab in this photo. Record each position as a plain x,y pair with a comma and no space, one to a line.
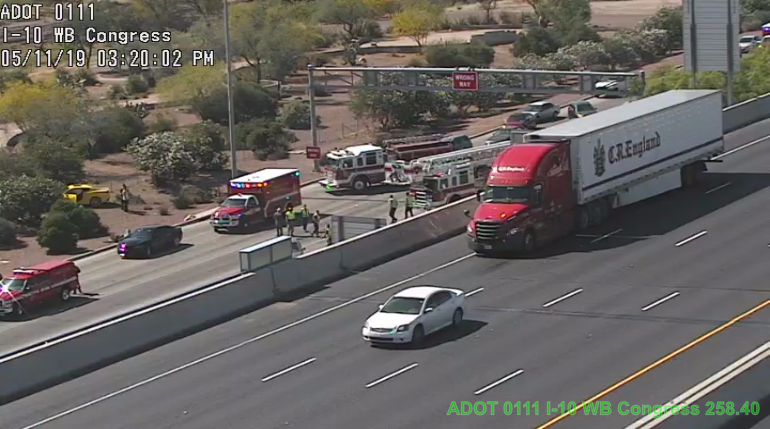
255,197
30,287
528,197
569,177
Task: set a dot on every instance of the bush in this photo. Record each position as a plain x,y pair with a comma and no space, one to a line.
416,62
181,202
117,92
250,102
116,128
195,194
26,199
166,156
54,160
136,84
163,210
368,29
668,19
467,55
296,116
7,233
537,41
58,234
206,142
85,219
86,77
163,123
267,139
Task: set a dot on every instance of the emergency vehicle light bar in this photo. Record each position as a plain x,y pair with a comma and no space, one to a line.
248,185
25,271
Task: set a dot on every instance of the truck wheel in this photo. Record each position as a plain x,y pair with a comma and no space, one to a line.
360,184
95,202
583,219
66,294
18,311
530,242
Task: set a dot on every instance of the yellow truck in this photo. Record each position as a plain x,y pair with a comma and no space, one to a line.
87,195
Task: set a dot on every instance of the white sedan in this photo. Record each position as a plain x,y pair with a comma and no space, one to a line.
413,313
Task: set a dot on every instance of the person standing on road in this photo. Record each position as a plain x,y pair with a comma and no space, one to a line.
408,206
316,223
124,198
290,219
305,215
328,235
393,203
279,221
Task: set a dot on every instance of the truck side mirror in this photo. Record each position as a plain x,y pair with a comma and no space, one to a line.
467,214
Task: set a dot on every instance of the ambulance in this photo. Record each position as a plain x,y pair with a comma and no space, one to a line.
27,288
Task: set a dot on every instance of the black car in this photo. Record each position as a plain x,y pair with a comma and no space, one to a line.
149,240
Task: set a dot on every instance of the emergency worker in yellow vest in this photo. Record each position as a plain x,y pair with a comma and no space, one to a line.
409,205
305,215
290,219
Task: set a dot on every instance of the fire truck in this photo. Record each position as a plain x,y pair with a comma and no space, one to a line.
358,167
31,287
255,197
444,179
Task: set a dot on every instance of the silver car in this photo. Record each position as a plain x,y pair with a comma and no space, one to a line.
543,111
579,109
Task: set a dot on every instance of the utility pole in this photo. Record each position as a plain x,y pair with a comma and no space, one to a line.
230,108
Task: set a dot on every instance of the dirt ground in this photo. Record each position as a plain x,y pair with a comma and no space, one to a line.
338,129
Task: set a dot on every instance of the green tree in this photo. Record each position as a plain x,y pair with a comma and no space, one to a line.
84,218
13,164
165,156
417,21
393,109
751,6
26,199
350,14
249,101
192,83
10,76
566,15
488,6
587,54
58,234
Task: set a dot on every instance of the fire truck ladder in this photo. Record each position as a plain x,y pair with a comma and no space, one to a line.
432,164
415,139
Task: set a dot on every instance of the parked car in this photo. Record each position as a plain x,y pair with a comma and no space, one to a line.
149,240
579,109
748,42
543,111
87,195
413,313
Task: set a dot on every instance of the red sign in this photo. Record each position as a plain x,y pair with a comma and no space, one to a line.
465,81
313,152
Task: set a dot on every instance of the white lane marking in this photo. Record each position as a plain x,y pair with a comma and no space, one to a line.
707,386
244,343
740,148
289,369
499,382
608,235
474,292
625,237
660,301
689,239
718,188
391,375
562,298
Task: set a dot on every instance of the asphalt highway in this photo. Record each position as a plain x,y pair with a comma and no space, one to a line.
113,285
675,291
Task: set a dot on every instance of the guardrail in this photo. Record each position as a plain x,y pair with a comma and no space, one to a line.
70,355
55,361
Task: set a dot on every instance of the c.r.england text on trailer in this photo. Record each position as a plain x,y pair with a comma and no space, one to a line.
125,37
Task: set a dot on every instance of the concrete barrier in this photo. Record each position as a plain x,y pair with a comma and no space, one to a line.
47,364
750,111
93,348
